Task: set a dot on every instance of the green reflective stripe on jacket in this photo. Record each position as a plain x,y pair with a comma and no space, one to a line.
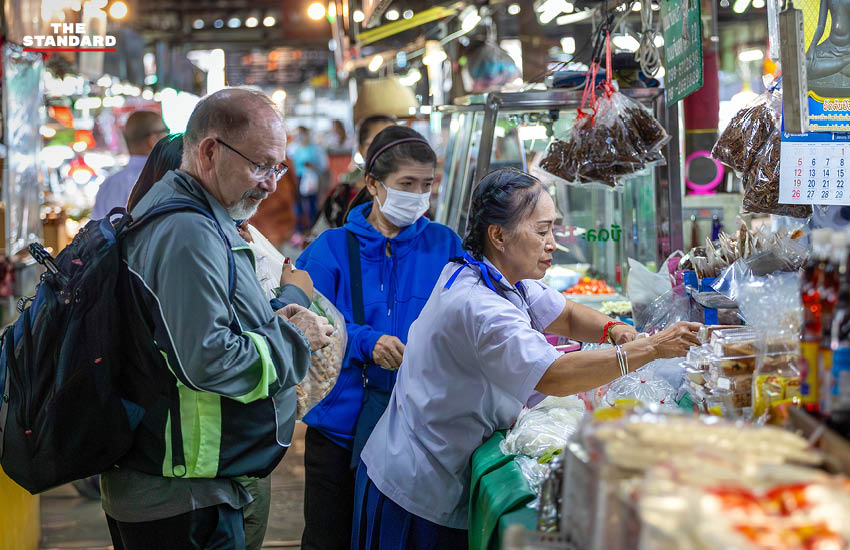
268,374
200,422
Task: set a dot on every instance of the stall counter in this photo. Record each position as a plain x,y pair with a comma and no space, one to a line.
498,497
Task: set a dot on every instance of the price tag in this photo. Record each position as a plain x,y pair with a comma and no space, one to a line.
814,169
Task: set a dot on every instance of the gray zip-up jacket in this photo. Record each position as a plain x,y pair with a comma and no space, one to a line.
234,365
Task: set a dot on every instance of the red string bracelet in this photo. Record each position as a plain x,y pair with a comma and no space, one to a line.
608,326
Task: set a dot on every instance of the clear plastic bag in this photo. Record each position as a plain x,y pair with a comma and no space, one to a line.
564,156
549,510
746,133
620,138
644,287
548,426
761,182
326,363
666,310
489,68
772,306
534,473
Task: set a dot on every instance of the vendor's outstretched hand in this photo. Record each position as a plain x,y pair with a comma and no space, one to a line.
676,340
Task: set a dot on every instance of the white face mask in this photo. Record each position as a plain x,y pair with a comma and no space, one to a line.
402,208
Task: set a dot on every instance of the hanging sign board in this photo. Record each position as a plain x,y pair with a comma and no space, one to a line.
682,28
827,64
814,168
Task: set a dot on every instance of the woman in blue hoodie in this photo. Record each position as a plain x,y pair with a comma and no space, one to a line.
380,288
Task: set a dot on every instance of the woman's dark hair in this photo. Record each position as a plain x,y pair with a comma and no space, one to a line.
383,158
504,197
368,123
166,155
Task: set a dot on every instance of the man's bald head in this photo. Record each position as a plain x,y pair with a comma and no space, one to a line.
230,114
234,146
142,131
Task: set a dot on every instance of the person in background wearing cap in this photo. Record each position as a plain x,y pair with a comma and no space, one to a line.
142,131
380,289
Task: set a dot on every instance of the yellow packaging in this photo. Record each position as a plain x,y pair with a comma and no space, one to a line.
810,352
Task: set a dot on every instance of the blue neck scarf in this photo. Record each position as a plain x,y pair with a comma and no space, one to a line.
488,274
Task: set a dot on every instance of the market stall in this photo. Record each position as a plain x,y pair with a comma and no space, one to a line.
601,226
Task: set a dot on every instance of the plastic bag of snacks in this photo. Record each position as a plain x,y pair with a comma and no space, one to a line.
746,133
771,305
761,181
326,363
616,137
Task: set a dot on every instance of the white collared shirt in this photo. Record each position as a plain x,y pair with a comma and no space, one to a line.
472,361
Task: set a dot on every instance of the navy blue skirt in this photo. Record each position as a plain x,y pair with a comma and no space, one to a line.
381,524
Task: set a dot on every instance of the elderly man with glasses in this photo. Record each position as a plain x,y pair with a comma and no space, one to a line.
230,362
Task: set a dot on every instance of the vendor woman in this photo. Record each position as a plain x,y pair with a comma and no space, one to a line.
474,357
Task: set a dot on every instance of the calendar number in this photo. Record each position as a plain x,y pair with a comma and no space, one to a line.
840,173
824,194
826,173
812,173
814,162
839,194
839,184
795,194
826,184
827,161
842,160
810,194
812,183
798,173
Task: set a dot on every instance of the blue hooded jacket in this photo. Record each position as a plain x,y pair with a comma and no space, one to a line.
395,289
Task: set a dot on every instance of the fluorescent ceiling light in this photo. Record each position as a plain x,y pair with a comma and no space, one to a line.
740,6
514,9
574,17
376,63
251,22
358,16
568,44
392,15
550,9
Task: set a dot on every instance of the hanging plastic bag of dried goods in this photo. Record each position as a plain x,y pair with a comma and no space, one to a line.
326,363
761,178
645,132
612,152
564,156
747,131
489,68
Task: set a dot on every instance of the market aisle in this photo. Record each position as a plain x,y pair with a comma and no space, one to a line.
70,521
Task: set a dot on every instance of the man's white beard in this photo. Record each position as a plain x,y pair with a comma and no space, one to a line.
243,209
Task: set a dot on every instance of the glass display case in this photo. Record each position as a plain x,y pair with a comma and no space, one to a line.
600,227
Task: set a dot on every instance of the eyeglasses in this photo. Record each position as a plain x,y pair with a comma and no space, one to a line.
261,172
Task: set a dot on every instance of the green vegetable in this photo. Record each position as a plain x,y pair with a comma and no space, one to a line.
549,455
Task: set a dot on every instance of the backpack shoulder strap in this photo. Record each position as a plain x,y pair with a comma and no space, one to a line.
356,278
177,205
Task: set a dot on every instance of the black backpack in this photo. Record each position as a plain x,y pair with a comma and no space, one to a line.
79,369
